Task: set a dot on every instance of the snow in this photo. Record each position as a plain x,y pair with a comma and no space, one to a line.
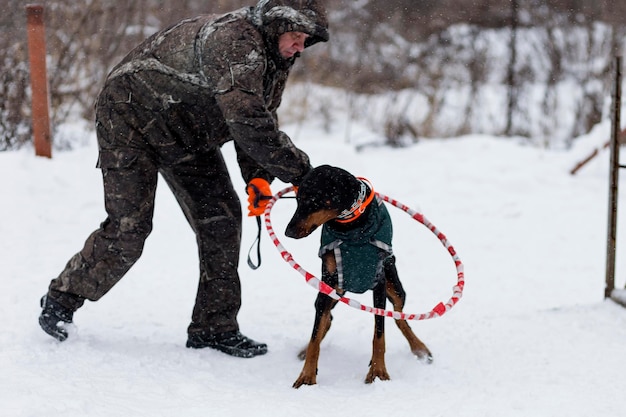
532,335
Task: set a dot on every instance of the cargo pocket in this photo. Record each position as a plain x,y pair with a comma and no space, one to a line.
116,159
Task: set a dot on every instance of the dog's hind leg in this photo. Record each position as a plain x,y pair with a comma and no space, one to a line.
397,296
323,305
377,363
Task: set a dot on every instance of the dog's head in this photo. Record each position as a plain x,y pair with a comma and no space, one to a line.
323,194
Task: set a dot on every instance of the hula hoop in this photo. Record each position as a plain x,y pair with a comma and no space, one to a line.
439,310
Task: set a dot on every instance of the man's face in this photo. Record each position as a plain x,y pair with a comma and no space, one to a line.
290,43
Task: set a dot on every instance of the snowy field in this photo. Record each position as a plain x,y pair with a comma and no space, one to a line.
532,335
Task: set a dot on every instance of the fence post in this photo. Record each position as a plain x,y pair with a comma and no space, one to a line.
614,180
38,80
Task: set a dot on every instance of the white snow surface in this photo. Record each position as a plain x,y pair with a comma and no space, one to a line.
532,335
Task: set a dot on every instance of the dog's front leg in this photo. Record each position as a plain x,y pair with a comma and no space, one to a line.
377,364
323,305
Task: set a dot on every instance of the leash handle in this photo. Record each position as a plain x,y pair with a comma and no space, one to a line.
258,196
257,240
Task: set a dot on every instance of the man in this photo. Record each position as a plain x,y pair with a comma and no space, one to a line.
167,108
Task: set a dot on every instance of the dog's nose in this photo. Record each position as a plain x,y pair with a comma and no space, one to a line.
292,232
298,229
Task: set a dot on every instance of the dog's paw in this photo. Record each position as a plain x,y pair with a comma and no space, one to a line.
304,379
427,359
424,355
376,373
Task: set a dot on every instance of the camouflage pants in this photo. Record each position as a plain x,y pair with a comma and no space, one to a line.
205,193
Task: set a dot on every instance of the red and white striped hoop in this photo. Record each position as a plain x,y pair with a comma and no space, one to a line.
439,310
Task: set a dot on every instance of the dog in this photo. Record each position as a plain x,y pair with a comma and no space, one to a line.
356,257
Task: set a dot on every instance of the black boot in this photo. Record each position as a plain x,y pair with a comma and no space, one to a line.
54,317
231,343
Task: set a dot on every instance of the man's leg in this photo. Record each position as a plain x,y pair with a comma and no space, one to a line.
129,179
203,189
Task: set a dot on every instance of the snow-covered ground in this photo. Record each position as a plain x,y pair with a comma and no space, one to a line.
532,335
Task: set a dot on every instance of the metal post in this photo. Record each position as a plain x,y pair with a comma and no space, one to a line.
38,80
613,180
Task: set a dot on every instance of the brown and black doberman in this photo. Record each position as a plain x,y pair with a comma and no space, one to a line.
356,257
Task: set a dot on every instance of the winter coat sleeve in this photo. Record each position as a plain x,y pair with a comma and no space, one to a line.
238,64
251,168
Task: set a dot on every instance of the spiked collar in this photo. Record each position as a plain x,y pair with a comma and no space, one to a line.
359,205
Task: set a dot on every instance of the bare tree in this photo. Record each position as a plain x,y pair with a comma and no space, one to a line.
372,49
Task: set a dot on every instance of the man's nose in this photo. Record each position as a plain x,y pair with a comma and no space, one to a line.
299,45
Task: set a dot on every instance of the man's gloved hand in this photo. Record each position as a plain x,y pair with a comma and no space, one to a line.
259,194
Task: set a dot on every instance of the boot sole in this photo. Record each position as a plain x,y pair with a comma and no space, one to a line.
55,331
232,351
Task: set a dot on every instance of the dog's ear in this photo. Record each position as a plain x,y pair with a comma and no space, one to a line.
328,187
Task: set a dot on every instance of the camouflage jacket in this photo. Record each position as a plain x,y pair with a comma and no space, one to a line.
212,79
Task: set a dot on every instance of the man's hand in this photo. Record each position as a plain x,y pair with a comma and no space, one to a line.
259,194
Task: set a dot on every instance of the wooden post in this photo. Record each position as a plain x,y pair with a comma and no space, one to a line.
614,180
38,80
511,78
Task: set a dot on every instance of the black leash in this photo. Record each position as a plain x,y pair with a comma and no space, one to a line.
257,241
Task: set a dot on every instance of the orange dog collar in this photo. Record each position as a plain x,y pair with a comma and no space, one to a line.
361,203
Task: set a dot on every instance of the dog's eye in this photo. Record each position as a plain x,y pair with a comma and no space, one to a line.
312,202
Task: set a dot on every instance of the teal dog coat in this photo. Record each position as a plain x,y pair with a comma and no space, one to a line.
360,253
